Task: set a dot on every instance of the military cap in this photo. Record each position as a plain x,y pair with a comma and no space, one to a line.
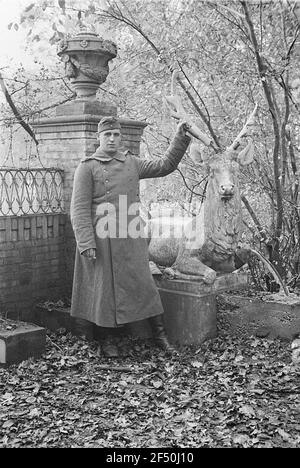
108,123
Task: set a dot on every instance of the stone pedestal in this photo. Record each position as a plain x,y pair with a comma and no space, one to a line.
189,313
190,308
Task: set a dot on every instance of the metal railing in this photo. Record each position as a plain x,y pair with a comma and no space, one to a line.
31,191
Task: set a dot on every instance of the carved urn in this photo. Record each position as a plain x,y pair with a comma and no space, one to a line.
86,56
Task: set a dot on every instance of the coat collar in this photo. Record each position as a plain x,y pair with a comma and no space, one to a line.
102,156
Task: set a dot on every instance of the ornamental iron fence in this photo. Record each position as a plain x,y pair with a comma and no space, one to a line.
31,191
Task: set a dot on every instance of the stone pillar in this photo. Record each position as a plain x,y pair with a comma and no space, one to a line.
71,135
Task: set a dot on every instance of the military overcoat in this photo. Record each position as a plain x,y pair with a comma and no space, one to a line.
117,287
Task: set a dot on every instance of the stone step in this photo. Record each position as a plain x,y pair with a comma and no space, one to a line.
22,342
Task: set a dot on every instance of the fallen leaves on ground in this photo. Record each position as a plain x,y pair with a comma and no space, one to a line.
228,392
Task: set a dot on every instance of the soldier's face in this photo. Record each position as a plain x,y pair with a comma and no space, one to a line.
110,140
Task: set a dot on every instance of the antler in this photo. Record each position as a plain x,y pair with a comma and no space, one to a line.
178,112
245,131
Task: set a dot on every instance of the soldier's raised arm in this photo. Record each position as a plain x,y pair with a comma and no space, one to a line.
160,167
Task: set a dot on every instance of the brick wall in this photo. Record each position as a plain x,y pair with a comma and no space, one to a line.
32,261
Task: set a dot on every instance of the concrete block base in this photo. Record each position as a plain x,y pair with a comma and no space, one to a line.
22,343
271,316
189,312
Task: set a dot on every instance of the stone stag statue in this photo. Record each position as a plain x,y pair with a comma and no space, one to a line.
210,241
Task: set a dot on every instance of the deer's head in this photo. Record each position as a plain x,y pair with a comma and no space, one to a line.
223,164
223,168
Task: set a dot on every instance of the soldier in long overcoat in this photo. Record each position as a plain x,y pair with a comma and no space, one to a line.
112,283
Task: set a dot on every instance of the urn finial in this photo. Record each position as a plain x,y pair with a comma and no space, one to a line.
86,56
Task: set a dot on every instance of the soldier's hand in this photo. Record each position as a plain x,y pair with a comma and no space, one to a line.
182,128
90,254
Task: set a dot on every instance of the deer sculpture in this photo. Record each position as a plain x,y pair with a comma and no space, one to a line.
214,248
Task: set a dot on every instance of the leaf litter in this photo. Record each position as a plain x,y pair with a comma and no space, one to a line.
228,392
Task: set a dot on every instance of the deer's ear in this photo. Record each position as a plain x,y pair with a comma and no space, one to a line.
246,155
195,153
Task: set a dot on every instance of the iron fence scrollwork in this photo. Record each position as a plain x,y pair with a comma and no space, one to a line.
31,191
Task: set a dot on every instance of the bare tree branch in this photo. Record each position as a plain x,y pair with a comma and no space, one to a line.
254,218
262,73
15,111
201,195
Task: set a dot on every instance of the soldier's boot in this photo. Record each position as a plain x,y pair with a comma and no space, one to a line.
109,349
159,334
